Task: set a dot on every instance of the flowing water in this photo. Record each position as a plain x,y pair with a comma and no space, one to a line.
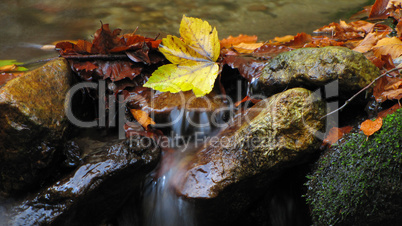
27,24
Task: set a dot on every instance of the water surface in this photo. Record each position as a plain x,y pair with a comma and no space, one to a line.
46,21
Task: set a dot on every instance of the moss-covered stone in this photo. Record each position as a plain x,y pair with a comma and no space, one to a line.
358,181
314,67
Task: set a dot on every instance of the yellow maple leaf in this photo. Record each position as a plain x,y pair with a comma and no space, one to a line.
193,59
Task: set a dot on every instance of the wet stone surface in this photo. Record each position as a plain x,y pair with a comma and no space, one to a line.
271,136
96,190
32,125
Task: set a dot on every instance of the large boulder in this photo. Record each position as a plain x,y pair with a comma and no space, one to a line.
269,137
313,68
32,123
96,190
358,181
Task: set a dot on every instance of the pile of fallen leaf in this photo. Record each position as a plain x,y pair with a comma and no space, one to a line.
195,60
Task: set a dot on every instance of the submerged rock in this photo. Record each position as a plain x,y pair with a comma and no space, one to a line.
32,123
359,180
313,68
95,190
271,136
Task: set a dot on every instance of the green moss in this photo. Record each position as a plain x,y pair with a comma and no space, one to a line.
358,181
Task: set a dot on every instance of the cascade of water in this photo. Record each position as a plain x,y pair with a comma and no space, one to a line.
160,204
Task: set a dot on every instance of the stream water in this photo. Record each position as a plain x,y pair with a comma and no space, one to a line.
27,24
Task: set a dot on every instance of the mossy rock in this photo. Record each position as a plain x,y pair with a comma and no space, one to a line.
358,181
313,68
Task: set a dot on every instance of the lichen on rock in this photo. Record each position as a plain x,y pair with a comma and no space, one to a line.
312,68
359,180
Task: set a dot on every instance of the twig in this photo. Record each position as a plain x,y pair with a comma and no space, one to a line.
97,57
366,87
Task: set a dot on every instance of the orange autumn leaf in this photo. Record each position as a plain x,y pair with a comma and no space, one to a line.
247,47
369,127
142,118
286,38
335,134
231,41
392,46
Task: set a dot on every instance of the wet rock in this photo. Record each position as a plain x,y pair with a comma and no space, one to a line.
358,181
271,136
32,123
313,68
94,191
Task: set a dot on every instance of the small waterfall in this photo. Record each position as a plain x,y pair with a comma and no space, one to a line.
160,205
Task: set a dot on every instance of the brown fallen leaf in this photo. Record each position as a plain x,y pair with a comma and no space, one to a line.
299,40
343,31
142,118
369,42
379,10
388,88
322,41
392,46
369,127
335,134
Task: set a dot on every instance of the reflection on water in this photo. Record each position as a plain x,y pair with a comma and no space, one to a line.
46,21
